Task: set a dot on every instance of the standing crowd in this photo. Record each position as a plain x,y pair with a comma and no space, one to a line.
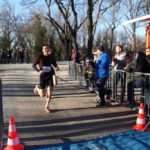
97,73
14,56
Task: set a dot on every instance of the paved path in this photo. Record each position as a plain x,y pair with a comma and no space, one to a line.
75,116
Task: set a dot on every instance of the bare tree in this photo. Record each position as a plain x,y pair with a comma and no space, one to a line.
112,21
146,6
13,25
69,13
134,9
60,25
96,9
6,26
68,25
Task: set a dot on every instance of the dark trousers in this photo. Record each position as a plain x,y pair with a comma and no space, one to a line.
100,83
139,83
119,76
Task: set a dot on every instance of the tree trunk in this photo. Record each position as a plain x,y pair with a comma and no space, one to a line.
67,48
90,27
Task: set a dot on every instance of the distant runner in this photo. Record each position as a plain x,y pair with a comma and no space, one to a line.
46,65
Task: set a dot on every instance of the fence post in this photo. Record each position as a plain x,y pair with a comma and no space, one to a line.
1,116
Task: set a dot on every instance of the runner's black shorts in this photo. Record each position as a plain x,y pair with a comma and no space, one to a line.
45,81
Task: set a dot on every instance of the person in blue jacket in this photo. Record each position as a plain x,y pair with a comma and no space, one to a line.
101,74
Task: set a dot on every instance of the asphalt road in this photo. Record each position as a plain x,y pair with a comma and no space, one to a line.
74,116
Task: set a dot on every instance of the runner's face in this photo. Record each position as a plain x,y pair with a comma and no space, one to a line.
45,51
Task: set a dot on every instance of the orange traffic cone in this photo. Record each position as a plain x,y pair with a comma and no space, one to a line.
140,122
13,141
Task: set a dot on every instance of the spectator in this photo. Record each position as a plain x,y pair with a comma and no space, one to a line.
95,56
9,56
141,65
4,56
101,74
21,55
89,74
1,55
73,56
77,57
147,85
14,55
147,52
26,56
118,62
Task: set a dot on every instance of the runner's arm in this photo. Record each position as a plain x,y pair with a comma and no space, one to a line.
34,65
35,68
54,64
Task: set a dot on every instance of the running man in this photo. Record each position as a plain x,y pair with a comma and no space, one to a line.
46,65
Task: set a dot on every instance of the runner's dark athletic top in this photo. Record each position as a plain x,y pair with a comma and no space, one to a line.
44,63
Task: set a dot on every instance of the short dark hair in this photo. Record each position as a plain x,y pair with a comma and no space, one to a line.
120,46
100,47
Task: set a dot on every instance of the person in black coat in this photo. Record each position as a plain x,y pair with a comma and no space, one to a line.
140,65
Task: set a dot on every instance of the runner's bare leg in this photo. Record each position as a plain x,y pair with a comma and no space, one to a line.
48,98
40,92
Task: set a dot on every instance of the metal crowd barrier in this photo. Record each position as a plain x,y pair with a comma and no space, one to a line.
76,72
1,116
120,82
117,82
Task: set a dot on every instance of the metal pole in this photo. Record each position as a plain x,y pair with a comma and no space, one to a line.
1,116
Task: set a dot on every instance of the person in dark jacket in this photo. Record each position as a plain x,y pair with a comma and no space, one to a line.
140,65
147,52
